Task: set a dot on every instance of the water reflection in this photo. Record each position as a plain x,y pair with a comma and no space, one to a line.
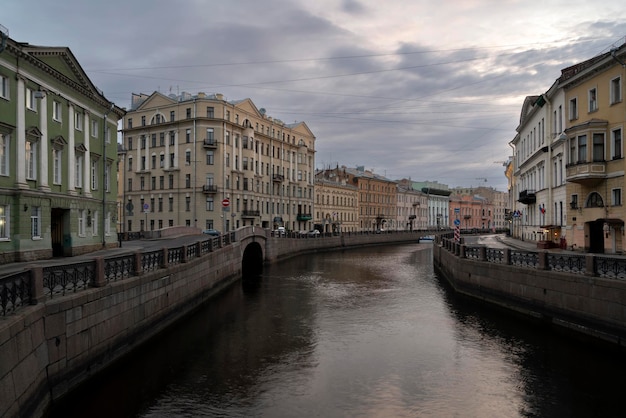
367,333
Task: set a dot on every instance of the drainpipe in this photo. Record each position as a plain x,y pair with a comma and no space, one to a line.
104,171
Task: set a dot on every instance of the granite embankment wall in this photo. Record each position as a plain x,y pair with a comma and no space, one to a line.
69,322
577,299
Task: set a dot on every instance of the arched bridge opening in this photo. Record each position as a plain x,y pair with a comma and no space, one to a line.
252,261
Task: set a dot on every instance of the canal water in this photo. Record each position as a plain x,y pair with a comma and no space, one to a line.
368,332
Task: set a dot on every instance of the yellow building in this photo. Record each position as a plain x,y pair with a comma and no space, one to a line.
202,161
595,162
336,202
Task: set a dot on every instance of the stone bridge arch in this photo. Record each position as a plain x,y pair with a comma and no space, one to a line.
252,251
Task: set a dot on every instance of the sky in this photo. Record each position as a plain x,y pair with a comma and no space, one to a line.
430,91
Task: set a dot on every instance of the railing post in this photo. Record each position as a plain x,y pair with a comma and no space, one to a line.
482,253
99,280
138,265
543,260
590,265
165,257
462,250
36,285
507,256
183,257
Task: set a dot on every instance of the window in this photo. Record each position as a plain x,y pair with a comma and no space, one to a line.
153,183
35,222
210,204
130,143
30,99
162,139
188,181
153,159
5,142
161,182
170,181
4,87
172,116
616,143
130,123
582,148
594,201
573,109
593,100
188,136
94,223
210,112
142,183
78,121
210,136
94,175
81,223
574,202
187,157
616,195
130,163
598,147
210,158
616,90
56,111
153,140
56,169
31,158
130,185
94,129
78,171
5,230
170,204
143,141
162,160
160,204
187,203
188,112
143,121
172,138
107,177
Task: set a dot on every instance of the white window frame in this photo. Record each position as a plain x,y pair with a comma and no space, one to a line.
94,174
57,165
616,197
5,153
30,99
35,222
5,222
573,108
614,154
592,99
57,114
107,224
107,177
31,160
616,93
78,178
5,87
78,121
94,128
94,224
81,222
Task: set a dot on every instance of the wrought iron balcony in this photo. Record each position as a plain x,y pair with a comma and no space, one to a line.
209,143
209,188
279,178
250,213
527,197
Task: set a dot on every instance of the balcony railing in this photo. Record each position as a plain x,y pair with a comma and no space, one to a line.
527,197
304,217
586,172
210,143
250,213
278,178
209,188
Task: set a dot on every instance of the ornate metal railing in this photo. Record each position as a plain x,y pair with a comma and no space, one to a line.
614,268
60,280
151,260
571,263
15,292
495,255
472,252
119,267
191,252
524,259
175,255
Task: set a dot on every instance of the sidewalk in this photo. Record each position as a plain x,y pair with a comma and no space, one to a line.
528,245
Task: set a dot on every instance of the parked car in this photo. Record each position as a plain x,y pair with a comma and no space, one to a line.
313,233
212,232
280,231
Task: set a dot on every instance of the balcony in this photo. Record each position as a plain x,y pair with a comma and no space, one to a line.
527,197
209,188
587,174
278,178
250,213
304,217
209,143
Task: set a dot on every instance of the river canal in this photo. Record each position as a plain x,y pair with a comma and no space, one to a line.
358,333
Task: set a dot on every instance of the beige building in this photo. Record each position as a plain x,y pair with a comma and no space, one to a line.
202,161
336,202
595,118
412,207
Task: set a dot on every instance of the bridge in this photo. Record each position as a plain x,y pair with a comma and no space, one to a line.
63,322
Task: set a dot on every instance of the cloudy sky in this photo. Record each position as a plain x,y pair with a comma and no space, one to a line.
424,89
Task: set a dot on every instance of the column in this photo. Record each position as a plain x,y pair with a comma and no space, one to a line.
87,158
43,155
71,152
20,163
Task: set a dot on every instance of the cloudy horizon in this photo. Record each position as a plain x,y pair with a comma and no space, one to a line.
431,92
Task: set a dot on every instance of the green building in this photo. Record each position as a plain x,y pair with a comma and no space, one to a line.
58,152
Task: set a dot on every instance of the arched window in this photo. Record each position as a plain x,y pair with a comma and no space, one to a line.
594,201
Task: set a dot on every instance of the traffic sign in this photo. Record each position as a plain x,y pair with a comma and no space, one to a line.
457,210
226,202
457,222
146,207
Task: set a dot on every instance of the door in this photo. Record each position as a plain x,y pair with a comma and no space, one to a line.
57,215
596,237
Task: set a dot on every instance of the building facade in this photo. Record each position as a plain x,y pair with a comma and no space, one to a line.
204,162
377,199
412,207
596,115
336,202
57,156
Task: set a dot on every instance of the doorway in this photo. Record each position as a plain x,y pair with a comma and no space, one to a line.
59,222
596,237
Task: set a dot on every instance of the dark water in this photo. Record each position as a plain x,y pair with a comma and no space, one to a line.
359,333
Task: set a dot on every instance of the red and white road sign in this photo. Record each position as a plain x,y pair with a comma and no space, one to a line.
226,203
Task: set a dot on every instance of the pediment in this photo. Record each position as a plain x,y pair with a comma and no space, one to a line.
58,142
80,148
33,132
